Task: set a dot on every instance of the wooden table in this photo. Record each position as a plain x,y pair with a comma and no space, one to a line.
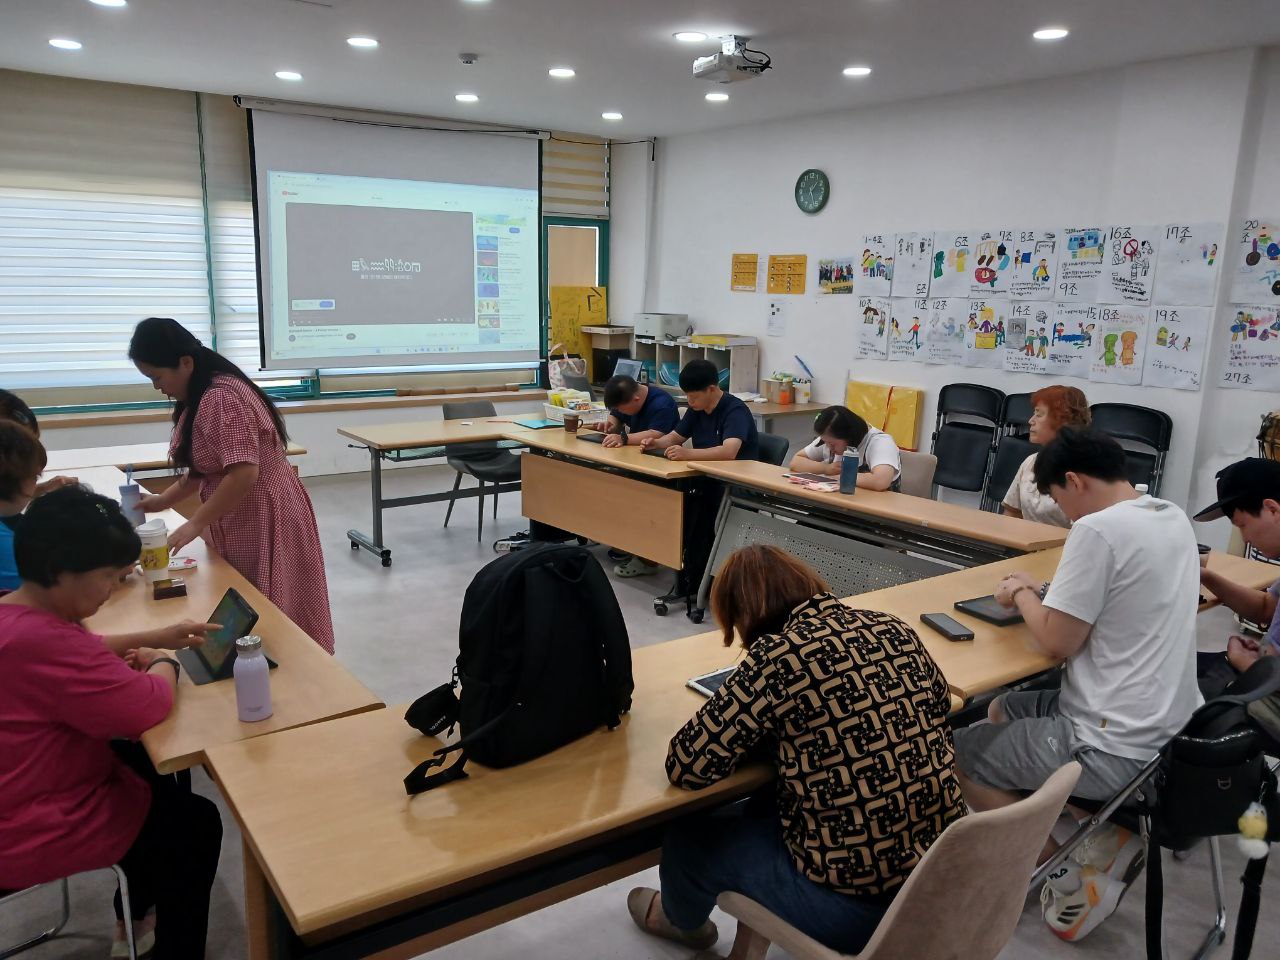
308,686
140,456
768,411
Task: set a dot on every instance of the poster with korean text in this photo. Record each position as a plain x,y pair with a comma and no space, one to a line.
912,264
944,341
1071,339
1254,261
953,263
908,321
984,333
1253,347
1176,340
872,325
1080,255
1034,264
875,265
992,262
1187,266
1027,336
1119,344
1130,271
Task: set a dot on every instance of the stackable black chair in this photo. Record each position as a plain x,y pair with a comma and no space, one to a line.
485,460
964,447
773,448
1010,452
1150,429
1015,413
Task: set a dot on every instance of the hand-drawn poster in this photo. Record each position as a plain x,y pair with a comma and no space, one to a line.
1119,344
872,324
836,275
912,264
1071,339
1253,347
1187,267
1176,340
1080,255
1027,336
1131,264
907,324
1255,262
992,262
744,274
1034,264
875,273
953,263
944,341
984,333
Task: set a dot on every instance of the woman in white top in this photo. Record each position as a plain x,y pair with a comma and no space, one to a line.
1052,409
838,428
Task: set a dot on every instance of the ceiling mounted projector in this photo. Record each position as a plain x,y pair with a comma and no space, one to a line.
734,62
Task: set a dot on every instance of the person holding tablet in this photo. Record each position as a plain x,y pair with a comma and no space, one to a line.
719,424
70,799
646,412
838,429
1052,409
821,690
230,439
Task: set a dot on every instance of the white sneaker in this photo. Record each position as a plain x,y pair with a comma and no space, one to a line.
1076,899
1112,850
144,939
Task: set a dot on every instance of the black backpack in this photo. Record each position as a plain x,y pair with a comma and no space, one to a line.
543,659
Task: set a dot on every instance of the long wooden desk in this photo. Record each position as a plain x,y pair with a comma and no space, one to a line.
140,456
308,686
769,411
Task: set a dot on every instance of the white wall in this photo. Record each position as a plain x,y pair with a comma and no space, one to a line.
1145,144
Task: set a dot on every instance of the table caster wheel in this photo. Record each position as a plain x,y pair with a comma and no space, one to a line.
659,608
354,545
386,561
696,615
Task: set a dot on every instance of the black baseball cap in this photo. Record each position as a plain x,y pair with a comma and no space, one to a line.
1249,479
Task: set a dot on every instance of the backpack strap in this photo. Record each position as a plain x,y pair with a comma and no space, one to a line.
1155,901
1250,897
419,780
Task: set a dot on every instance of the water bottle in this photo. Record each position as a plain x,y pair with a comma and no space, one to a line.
849,472
130,495
253,681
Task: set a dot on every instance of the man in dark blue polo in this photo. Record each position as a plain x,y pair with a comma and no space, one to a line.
719,424
646,412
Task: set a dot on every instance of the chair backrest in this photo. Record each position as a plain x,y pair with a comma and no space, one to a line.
1009,456
1014,414
577,381
1127,421
971,400
962,450
917,473
773,448
467,409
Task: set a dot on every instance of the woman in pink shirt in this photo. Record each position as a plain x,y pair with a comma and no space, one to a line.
68,802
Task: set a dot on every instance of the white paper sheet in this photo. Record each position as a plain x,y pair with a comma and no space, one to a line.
1080,260
944,342
1253,347
912,264
1130,264
1034,266
910,320
875,266
1120,344
1071,340
953,263
1254,261
1176,341
1187,271
872,324
984,333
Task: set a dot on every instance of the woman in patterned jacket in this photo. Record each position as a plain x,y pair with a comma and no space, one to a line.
852,712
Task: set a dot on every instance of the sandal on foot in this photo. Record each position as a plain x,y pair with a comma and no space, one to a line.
640,904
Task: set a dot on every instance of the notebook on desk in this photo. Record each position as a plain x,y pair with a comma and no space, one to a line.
538,423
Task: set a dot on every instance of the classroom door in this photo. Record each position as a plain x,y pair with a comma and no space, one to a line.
576,254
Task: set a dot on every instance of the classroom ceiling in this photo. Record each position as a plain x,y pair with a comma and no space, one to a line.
624,52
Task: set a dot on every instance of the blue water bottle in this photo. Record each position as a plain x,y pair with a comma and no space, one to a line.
849,472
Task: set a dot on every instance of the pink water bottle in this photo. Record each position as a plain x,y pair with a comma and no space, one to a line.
253,680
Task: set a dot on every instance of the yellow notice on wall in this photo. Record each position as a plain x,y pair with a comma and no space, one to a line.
573,308
743,275
787,272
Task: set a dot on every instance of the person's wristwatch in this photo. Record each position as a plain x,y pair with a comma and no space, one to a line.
177,667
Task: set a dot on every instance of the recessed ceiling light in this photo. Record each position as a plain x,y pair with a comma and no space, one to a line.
109,3
690,36
562,73
364,43
717,97
63,43
857,71
465,97
1051,33
611,115
288,75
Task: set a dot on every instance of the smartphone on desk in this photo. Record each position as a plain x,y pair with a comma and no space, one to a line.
950,628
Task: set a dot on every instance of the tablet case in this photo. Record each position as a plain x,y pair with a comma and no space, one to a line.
986,608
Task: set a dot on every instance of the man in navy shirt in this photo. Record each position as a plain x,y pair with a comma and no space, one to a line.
646,412
719,424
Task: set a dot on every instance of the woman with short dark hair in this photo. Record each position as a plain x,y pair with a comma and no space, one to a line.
838,429
851,711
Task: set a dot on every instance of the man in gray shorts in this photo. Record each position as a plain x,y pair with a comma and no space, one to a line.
1121,614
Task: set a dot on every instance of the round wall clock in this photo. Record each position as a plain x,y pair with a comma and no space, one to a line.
812,190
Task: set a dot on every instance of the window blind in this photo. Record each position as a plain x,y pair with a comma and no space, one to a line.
575,176
101,224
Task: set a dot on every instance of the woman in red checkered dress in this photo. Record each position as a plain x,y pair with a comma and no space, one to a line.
230,439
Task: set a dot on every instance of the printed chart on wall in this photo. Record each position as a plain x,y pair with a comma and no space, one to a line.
1071,339
1080,264
1119,344
787,272
1131,264
1255,262
944,342
984,333
1027,336
836,274
908,322
875,276
1253,347
872,326
744,274
1034,264
912,263
1187,267
1176,339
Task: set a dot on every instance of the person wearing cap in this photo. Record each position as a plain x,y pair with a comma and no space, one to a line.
1249,496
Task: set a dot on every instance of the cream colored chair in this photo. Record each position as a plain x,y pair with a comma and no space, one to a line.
961,903
917,473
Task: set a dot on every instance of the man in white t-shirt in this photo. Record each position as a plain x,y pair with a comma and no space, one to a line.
838,429
1121,611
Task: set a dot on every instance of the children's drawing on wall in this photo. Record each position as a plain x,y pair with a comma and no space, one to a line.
984,333
1176,338
944,341
1255,262
1119,344
875,265
912,264
953,265
1033,265
992,262
1253,347
1187,265
907,323
872,324
1027,344
1071,339
836,275
1080,262
1131,264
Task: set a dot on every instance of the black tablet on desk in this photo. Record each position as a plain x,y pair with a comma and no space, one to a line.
591,437
216,658
989,609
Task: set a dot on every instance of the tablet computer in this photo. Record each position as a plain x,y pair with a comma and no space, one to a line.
591,437
709,683
988,609
215,659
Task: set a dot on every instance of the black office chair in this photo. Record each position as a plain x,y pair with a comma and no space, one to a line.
1014,414
1010,452
964,448
485,460
773,449
1152,429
